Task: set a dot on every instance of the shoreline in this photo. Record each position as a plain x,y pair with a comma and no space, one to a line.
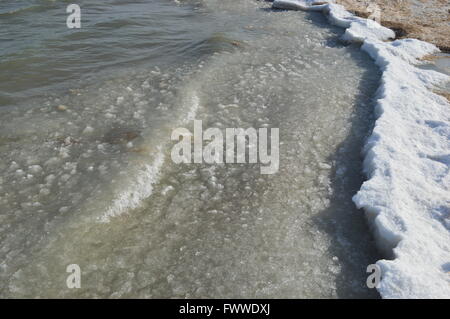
426,20
405,196
399,16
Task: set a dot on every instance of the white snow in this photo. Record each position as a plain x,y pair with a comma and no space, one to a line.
407,160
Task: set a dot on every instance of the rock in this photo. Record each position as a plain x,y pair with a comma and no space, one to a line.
120,136
61,108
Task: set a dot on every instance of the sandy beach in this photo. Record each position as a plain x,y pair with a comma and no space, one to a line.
427,20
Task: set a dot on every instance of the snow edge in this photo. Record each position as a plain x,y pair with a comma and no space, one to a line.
406,159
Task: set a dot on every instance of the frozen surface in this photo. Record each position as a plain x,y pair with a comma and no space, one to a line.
407,162
87,176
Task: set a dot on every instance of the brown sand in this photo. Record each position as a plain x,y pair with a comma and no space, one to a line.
444,94
427,20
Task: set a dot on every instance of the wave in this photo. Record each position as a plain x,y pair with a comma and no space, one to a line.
20,10
146,175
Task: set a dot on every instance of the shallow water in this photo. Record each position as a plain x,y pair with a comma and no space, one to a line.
87,177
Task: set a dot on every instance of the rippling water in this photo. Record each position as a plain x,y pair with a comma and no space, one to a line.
39,53
86,176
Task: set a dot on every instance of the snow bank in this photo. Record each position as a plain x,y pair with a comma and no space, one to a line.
407,160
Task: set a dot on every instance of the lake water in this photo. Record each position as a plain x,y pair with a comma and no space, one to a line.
86,177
